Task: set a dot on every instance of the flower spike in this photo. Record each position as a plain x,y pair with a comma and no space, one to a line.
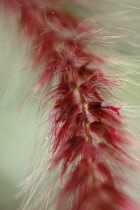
90,141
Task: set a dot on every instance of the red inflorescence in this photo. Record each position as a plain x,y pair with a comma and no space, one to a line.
89,136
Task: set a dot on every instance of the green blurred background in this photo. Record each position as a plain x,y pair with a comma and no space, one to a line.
17,117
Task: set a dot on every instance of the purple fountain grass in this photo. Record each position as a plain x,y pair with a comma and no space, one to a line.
88,131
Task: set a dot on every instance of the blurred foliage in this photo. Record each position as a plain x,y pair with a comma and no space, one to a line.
17,117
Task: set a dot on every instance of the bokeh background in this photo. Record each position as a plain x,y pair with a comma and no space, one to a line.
19,103
17,117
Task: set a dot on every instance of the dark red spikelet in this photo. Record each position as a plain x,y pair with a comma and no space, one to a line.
108,133
69,151
105,113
